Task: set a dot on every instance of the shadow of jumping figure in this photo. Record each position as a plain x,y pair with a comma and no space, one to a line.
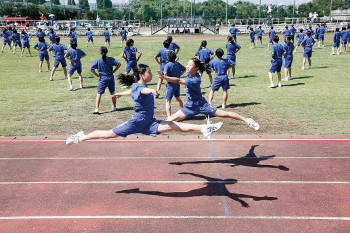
214,187
249,160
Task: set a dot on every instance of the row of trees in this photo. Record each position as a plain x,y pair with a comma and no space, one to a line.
146,10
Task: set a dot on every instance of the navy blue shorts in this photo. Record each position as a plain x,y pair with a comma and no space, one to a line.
43,56
26,45
336,44
288,62
137,125
7,42
17,42
76,66
107,40
259,37
204,108
252,40
124,38
91,39
232,59
106,82
299,42
275,66
321,37
162,66
59,60
130,65
220,81
317,36
172,90
307,52
208,71
270,40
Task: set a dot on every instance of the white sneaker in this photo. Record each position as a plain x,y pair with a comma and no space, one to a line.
271,86
70,89
40,71
96,111
81,86
303,68
280,84
309,67
76,138
253,124
286,79
51,78
207,130
223,106
114,109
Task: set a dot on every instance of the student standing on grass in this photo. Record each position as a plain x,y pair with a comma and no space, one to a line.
104,65
252,38
16,37
292,31
307,45
129,55
42,47
173,69
322,31
301,37
317,33
344,39
285,33
277,51
234,31
52,36
40,33
90,38
272,34
260,32
142,121
161,58
336,42
124,34
196,103
107,37
173,46
5,34
58,50
288,58
25,42
74,55
205,55
73,36
221,67
232,48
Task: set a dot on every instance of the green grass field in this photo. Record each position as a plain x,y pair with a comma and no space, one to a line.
315,102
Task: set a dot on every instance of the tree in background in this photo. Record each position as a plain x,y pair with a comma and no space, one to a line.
71,2
56,2
103,4
84,4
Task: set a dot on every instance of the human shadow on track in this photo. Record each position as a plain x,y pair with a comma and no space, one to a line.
214,187
249,160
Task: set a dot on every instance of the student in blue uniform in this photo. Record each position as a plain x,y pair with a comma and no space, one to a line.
196,103
42,47
307,45
288,58
161,58
129,55
90,38
205,55
292,31
10,33
58,50
344,39
336,42
252,37
272,34
285,33
7,41
173,69
105,65
124,34
52,36
301,37
40,33
232,48
16,37
234,31
142,121
107,37
173,46
220,66
74,55
25,42
277,51
322,31
260,32
73,36
348,36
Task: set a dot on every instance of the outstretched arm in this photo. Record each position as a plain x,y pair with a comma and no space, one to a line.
147,91
125,93
171,79
200,176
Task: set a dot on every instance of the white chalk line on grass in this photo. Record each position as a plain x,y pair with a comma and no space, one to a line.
174,217
164,157
171,182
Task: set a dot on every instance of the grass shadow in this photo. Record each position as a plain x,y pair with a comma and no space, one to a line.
292,85
302,77
246,76
242,104
320,67
89,87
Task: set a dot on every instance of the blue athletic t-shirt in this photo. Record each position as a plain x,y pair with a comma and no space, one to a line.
6,35
163,54
272,33
123,33
173,47
289,49
106,34
174,69
58,50
232,48
25,38
233,31
344,37
204,54
277,50
322,30
42,46
130,53
220,65
105,68
301,36
260,32
308,42
144,104
16,37
72,35
40,34
292,31
75,54
252,34
193,91
286,33
52,36
89,34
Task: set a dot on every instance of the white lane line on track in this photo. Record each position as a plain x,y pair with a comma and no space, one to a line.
174,217
172,182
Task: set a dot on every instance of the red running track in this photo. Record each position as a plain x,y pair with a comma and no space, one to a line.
233,185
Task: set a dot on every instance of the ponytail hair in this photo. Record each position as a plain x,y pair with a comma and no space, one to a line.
129,43
201,67
231,40
128,80
103,52
57,40
74,46
203,45
170,38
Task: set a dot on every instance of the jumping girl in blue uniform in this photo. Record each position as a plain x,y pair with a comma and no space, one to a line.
58,50
301,37
25,42
16,37
5,34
